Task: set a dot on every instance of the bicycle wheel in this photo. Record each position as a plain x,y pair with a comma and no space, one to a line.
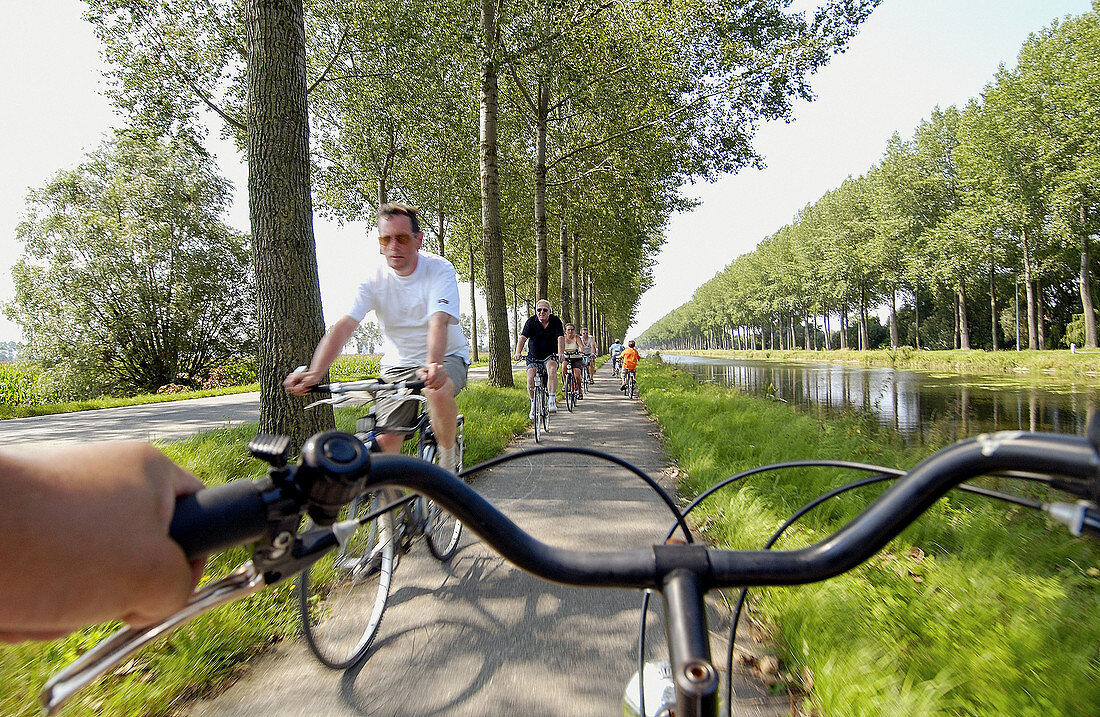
630,386
545,413
538,413
341,597
570,396
441,530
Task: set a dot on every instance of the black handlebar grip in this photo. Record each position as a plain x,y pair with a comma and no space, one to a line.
218,518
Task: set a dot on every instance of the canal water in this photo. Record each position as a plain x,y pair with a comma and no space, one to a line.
922,407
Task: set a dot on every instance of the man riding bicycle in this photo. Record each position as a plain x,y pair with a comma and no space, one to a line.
589,349
615,349
547,337
415,296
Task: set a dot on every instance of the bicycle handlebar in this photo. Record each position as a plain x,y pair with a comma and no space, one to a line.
853,544
232,514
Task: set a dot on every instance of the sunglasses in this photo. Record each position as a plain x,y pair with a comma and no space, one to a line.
402,239
542,311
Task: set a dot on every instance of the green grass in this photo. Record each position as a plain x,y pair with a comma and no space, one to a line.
1055,363
207,652
20,396
977,609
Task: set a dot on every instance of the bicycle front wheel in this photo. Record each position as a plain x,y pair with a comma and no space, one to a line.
539,406
570,393
441,530
341,597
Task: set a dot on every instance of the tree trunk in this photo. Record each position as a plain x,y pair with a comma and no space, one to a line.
864,336
894,318
964,326
995,328
541,117
844,327
575,284
1040,324
500,352
288,291
955,319
916,314
563,261
473,302
442,222
1029,287
1086,284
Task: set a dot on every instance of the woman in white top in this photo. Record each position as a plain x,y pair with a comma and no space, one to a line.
574,356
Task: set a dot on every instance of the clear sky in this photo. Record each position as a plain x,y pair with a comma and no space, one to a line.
909,57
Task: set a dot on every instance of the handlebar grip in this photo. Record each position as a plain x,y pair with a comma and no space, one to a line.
218,518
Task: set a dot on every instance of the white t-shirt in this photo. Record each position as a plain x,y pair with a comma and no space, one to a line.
403,305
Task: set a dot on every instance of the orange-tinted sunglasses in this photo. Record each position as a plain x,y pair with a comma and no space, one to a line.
402,239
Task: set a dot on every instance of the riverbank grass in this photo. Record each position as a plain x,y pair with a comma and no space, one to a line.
1083,364
207,652
978,608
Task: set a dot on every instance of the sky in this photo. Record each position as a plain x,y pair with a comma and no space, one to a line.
909,57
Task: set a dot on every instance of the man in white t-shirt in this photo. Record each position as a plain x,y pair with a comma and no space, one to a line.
415,297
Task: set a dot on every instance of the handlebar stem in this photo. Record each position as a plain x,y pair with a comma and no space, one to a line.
693,674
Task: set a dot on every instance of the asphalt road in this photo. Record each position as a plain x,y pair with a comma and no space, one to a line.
166,421
153,421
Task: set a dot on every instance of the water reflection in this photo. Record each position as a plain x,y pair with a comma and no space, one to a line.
920,406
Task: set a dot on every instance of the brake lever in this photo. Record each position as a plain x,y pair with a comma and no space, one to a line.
269,566
332,401
242,582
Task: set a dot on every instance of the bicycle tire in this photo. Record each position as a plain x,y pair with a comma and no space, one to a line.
570,395
630,388
546,413
442,530
346,585
538,414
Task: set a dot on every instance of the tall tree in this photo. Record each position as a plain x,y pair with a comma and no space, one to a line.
245,61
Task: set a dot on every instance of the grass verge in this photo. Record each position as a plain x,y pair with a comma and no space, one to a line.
976,609
205,653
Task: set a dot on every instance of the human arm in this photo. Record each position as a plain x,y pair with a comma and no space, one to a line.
434,375
327,351
519,347
85,538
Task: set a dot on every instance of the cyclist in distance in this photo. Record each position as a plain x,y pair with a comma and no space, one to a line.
415,296
572,356
615,349
85,538
547,337
630,363
589,349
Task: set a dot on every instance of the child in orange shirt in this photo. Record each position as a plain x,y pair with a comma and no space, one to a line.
629,357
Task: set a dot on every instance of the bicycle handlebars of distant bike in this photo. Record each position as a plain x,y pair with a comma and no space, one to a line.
336,466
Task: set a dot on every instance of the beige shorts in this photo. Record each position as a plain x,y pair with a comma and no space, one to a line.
396,411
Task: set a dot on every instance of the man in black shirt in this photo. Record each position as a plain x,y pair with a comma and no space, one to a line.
547,337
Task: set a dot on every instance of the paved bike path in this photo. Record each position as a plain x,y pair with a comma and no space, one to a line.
478,636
